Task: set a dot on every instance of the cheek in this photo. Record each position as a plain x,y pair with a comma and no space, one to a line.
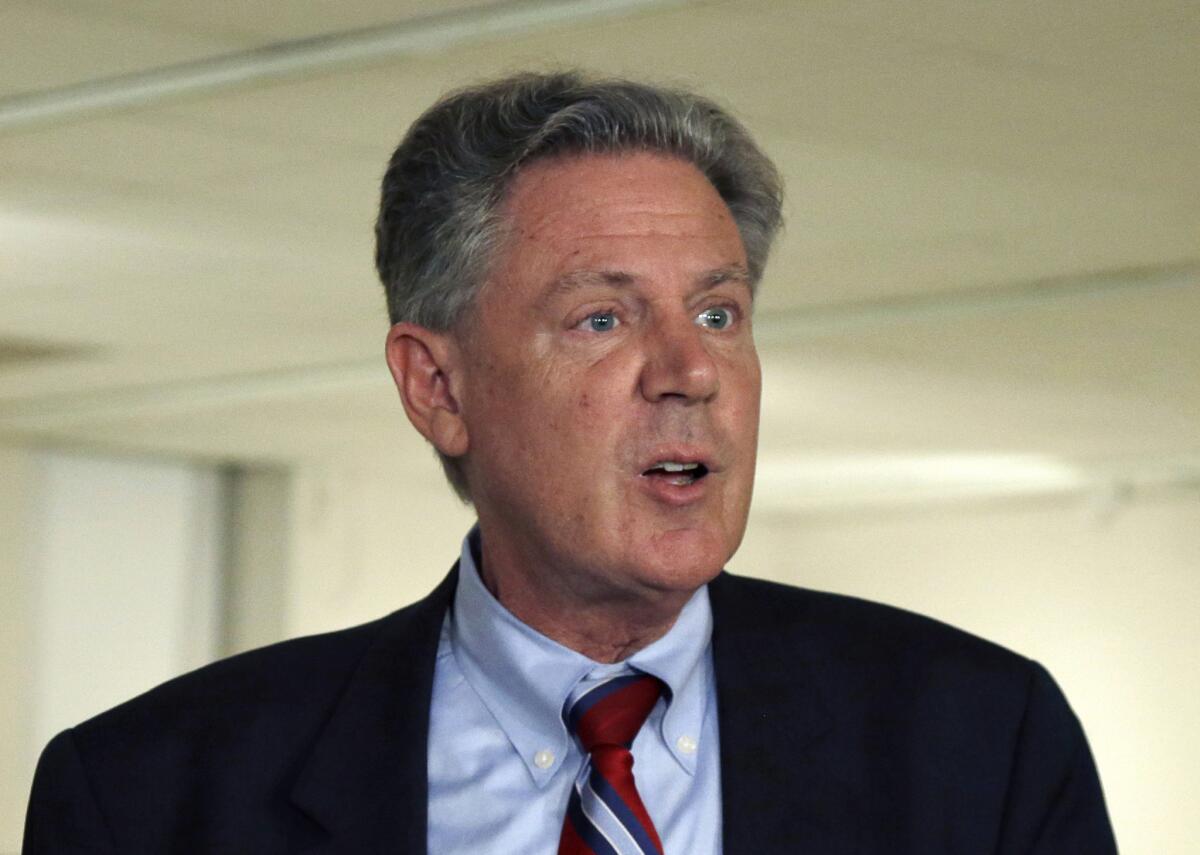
537,413
741,383
750,382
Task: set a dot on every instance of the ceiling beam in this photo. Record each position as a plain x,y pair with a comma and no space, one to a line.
780,328
320,53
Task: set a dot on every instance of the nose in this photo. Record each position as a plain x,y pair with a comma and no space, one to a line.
678,364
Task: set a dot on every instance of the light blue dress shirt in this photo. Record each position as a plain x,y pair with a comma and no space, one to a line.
501,763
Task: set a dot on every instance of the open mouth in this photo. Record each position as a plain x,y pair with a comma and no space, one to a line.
676,473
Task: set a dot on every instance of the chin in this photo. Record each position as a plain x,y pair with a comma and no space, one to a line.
685,559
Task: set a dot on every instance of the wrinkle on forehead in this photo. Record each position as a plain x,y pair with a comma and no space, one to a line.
576,280
610,220
627,201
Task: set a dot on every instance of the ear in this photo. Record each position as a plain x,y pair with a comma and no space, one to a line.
426,366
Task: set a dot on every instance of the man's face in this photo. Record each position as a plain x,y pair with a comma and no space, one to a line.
610,346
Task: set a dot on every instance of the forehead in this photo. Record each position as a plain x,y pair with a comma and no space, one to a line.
638,209
593,187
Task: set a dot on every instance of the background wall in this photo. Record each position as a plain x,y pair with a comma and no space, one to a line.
115,589
17,626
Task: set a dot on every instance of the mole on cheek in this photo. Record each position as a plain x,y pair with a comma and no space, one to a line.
583,401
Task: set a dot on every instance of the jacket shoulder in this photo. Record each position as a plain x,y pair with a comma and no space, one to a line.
292,683
217,754
289,676
849,635
262,705
948,740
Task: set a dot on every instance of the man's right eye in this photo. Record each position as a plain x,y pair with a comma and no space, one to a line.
600,322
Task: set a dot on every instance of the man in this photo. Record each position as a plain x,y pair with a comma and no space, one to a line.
570,267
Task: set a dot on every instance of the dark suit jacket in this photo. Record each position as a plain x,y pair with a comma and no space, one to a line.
846,727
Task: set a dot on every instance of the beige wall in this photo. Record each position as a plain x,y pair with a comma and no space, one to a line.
368,540
108,585
17,479
258,536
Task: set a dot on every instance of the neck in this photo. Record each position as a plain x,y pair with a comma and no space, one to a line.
600,633
603,625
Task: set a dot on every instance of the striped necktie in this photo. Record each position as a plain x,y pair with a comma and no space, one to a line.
605,814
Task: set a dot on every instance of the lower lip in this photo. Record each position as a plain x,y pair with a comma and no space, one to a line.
676,495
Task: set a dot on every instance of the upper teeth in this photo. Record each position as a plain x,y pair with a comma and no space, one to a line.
671,466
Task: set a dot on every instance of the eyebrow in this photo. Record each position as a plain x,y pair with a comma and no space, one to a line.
735,273
577,279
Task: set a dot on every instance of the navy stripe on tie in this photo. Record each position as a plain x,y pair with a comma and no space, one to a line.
584,827
605,792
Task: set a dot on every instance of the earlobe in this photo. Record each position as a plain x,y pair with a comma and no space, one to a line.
448,433
424,365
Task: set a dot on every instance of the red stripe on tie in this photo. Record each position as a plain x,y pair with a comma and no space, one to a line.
615,720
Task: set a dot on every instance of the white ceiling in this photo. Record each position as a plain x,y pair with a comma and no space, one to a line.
993,241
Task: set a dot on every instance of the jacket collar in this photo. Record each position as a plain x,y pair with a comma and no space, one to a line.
366,778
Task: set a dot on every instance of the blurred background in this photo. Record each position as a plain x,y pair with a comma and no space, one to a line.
979,332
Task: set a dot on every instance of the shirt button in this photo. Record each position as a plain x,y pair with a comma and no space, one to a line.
686,744
544,759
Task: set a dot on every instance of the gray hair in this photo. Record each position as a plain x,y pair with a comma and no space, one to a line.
439,216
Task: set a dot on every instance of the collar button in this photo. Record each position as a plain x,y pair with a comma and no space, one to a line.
544,759
686,744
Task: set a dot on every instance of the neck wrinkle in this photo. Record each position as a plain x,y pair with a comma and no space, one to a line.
605,634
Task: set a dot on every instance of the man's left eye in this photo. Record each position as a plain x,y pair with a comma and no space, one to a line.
600,322
717,318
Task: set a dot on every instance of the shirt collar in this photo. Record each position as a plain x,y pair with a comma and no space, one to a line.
524,677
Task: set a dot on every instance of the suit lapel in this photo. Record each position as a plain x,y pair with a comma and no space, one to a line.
778,788
366,780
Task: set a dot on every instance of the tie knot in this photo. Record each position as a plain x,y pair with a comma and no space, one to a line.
612,712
